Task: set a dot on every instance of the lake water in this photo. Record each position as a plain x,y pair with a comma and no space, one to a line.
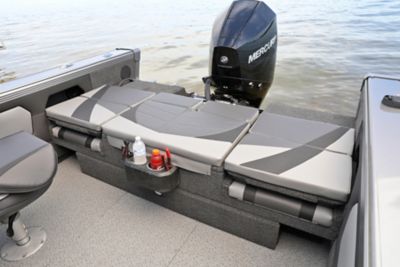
324,47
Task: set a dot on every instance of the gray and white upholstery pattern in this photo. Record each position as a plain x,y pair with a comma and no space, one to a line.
204,132
27,165
298,167
96,107
126,96
155,87
15,120
321,135
286,156
85,112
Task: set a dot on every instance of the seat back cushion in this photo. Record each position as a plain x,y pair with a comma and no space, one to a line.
22,169
15,120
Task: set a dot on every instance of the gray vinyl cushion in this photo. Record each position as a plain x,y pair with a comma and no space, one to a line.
15,120
292,165
85,112
97,106
176,100
27,166
231,112
121,95
155,87
204,132
303,131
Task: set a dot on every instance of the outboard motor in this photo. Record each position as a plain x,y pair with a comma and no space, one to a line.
243,53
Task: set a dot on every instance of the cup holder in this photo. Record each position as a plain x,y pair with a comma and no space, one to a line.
153,170
161,181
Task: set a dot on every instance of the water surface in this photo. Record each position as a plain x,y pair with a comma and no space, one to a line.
324,48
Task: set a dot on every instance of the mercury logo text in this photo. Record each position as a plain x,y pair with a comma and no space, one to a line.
262,50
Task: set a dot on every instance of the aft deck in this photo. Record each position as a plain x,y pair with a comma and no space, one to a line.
91,223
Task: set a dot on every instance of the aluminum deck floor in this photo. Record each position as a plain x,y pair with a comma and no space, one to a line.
90,223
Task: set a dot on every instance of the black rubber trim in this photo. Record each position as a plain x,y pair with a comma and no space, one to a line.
392,101
88,141
307,211
249,193
11,219
61,133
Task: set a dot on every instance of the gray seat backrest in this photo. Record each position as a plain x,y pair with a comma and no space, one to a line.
15,120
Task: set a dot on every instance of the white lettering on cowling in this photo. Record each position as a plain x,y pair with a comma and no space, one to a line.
262,50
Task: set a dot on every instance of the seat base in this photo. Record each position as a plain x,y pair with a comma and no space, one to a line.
209,195
11,251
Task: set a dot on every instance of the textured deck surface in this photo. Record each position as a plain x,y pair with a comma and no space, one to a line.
90,223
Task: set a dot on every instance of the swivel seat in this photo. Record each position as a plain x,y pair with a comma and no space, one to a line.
27,167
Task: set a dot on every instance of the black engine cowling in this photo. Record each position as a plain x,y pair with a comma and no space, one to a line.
243,51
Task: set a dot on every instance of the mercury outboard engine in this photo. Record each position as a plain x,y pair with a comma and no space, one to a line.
243,53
